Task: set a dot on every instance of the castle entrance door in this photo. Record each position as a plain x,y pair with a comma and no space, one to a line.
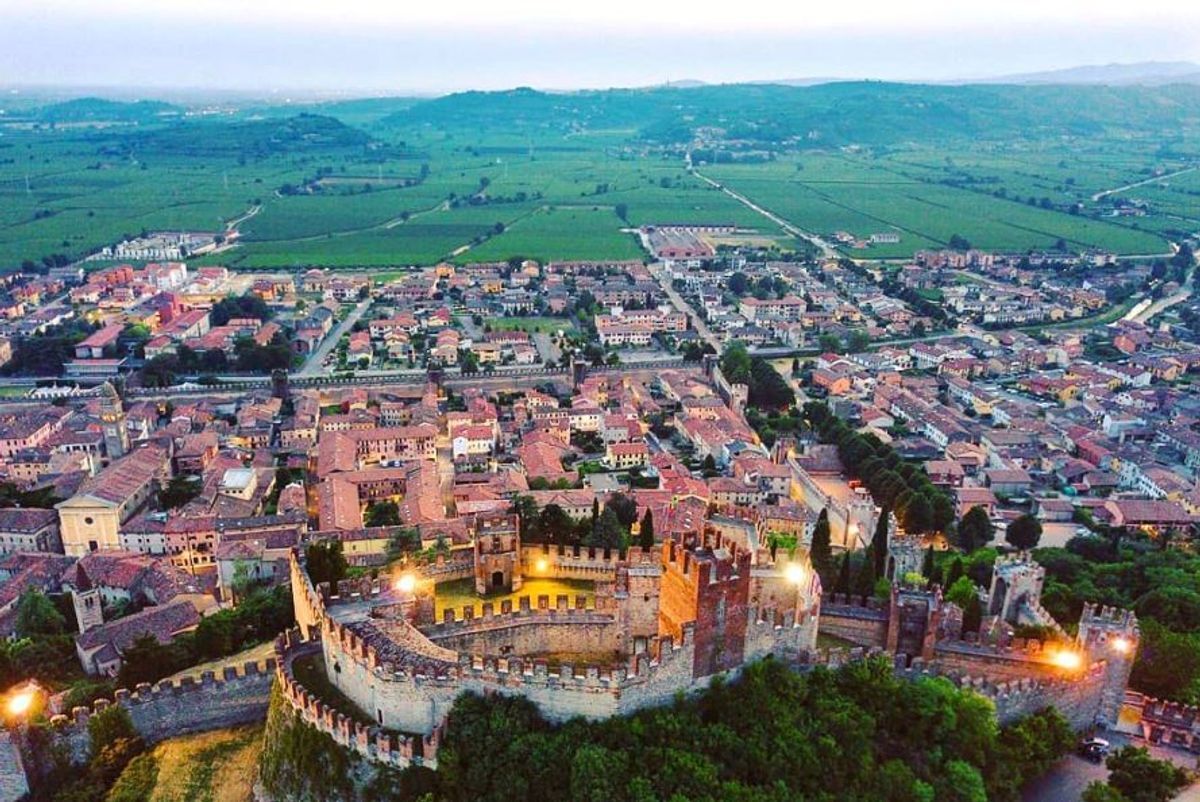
497,579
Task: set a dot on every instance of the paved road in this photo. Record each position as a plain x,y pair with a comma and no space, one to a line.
1108,192
315,364
1066,781
659,271
1163,304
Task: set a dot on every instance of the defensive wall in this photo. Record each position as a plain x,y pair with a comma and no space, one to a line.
409,683
169,709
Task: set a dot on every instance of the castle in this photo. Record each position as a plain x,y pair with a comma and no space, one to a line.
660,622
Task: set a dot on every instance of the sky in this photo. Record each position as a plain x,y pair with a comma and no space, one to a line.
401,47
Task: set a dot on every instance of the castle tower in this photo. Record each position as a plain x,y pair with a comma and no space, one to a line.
905,555
710,590
89,606
112,420
914,620
1111,635
497,554
1016,587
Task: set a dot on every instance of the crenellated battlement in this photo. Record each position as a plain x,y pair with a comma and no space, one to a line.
374,743
203,684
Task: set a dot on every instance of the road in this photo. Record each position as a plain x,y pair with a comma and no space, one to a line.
1067,779
664,279
827,250
1142,183
1163,304
315,364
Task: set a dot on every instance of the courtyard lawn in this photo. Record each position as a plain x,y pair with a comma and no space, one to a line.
461,592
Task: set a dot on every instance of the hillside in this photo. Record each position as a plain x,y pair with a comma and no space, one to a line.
251,137
94,109
864,112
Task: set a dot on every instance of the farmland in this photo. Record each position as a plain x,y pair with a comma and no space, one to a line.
489,176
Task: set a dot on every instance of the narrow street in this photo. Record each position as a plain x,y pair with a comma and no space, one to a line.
659,271
315,364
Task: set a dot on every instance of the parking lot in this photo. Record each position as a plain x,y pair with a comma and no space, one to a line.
1066,781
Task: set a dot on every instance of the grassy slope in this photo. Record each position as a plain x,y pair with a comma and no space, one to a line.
218,766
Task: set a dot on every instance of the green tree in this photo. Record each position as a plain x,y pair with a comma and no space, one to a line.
325,561
962,592
879,544
403,541
972,615
383,513
646,532
624,507
975,530
110,725
736,363
1168,665
843,581
917,515
555,524
37,615
1024,533
1141,778
608,532
821,551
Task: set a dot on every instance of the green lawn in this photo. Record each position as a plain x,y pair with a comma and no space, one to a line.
461,592
544,325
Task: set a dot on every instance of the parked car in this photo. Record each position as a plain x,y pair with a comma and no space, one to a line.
1094,749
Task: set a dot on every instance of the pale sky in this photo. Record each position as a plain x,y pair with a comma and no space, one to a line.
363,46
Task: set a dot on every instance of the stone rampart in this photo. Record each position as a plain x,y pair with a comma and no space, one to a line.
169,709
862,625
374,743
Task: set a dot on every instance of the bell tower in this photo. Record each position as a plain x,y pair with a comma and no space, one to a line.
112,420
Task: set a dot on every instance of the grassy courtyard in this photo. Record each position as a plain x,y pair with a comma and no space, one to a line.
461,592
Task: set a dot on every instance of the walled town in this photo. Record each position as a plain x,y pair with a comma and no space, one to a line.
594,485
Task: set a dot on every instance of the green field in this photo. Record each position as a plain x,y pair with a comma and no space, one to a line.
543,325
490,176
865,194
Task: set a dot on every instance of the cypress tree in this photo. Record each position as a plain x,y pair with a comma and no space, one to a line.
927,565
646,533
821,551
955,570
843,580
864,582
879,545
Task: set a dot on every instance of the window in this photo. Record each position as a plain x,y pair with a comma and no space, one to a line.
89,520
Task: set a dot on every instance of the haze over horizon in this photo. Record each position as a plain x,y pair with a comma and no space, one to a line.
305,46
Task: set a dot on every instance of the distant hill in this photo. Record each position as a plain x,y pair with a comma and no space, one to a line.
1147,73
94,109
254,137
864,112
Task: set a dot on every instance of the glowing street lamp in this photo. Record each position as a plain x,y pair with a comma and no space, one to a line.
1071,661
1121,645
794,572
542,565
22,701
406,583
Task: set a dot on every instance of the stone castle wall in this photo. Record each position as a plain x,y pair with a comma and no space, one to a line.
865,626
191,705
529,630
